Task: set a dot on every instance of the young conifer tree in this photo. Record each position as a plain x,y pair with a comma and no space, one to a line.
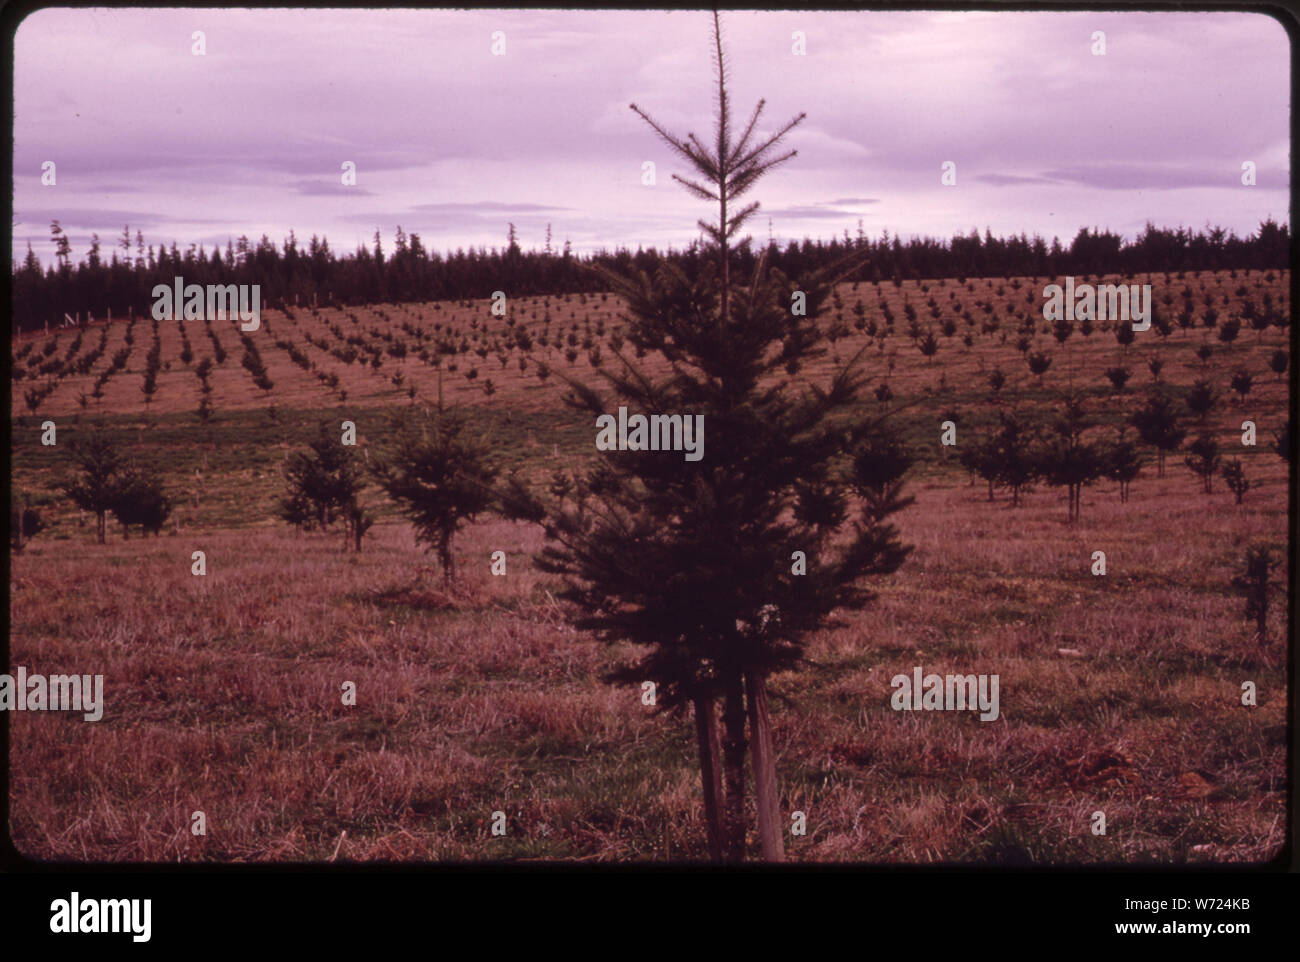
324,484
95,489
1122,463
1157,425
439,473
722,567
139,498
1254,583
1068,460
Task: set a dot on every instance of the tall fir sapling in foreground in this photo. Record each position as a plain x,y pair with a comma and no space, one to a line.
722,567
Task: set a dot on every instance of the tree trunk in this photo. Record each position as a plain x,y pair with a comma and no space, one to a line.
444,555
765,791
733,717
709,741
101,527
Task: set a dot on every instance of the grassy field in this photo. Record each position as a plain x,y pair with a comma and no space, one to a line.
1119,694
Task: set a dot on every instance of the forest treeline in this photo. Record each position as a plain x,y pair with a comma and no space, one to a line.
123,278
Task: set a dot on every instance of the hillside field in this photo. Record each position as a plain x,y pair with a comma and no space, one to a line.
1120,693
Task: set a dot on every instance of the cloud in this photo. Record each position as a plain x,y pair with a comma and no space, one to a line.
807,211
1006,180
1146,176
254,132
483,206
327,188
93,218
460,215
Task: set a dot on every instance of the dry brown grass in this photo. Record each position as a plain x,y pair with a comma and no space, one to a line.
223,692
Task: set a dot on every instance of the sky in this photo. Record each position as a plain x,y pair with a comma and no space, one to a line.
452,141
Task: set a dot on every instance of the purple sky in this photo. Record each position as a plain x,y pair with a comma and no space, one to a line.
452,142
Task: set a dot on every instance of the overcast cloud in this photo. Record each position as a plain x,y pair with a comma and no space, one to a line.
452,142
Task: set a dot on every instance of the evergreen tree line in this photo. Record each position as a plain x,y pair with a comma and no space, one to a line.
124,279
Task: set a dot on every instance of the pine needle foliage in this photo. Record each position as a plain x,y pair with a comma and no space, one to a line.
696,561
